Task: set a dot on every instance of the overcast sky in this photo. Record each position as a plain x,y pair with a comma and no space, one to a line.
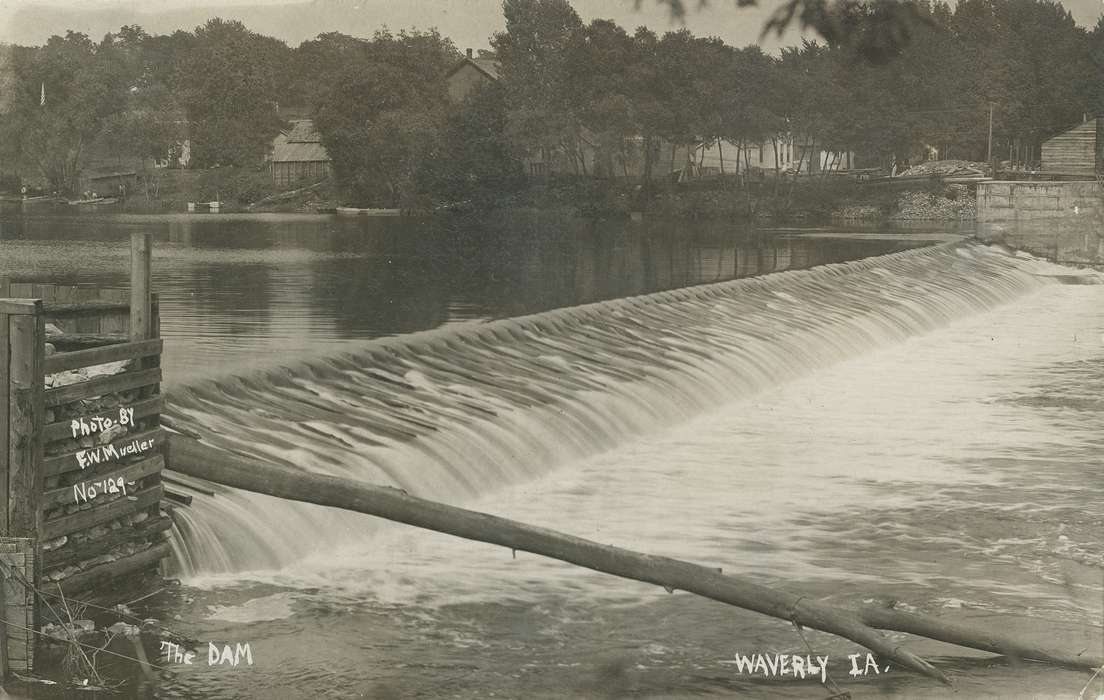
468,23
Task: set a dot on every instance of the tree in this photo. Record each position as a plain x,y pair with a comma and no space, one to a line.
228,79
475,161
63,97
381,118
533,53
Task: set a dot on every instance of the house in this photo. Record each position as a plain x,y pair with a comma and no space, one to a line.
298,156
469,74
1076,151
596,157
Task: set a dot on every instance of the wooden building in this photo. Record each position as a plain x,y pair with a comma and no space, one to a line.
469,74
1077,151
298,156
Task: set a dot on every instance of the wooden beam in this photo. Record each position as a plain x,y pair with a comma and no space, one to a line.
88,549
62,430
84,519
129,472
141,245
26,414
84,308
110,384
5,398
106,573
63,361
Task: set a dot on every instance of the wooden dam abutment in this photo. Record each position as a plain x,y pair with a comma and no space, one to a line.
81,445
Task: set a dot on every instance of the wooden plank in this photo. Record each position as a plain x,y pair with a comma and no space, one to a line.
85,519
99,386
74,552
181,498
99,575
25,410
140,253
5,397
61,430
64,361
81,341
18,307
68,462
84,308
130,472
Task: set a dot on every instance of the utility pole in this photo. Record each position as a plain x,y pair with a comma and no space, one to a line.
989,157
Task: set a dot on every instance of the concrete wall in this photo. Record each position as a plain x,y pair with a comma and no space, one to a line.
1028,201
1061,221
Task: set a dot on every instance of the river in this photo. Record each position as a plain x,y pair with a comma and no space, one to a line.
925,427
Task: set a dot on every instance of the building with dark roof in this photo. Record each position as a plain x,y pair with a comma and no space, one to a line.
298,156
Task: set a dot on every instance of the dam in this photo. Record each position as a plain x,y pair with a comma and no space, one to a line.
916,421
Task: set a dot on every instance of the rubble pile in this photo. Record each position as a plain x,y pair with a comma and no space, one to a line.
947,168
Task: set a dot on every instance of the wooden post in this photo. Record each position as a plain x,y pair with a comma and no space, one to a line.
26,413
140,252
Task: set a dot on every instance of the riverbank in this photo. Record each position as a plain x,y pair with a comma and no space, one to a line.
813,200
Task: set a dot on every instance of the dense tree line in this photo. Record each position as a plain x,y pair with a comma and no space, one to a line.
566,87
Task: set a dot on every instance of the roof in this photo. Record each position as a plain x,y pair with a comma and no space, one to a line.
299,152
301,143
487,66
303,131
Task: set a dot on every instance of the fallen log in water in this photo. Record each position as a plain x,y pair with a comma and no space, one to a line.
196,459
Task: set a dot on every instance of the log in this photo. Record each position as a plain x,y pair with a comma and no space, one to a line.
193,458
196,459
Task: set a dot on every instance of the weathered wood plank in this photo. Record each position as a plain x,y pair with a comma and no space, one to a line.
105,573
80,341
140,254
71,553
130,472
64,361
17,307
26,413
99,386
85,519
61,430
94,307
5,386
68,462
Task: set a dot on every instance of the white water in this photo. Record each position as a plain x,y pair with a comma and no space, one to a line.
458,414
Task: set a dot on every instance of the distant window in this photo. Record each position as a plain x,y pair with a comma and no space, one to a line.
760,153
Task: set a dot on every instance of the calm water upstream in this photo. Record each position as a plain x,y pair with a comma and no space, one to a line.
926,427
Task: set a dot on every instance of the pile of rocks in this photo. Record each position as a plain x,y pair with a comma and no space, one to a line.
924,206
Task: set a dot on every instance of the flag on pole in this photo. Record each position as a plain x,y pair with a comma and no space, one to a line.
42,99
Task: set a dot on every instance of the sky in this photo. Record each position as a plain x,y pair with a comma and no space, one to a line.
469,23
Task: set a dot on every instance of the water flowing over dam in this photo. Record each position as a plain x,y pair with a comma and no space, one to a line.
456,413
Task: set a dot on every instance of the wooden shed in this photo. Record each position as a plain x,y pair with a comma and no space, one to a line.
298,156
1077,151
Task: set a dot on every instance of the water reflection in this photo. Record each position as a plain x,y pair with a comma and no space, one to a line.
238,289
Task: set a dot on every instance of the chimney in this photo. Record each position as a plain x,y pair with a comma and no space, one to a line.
469,53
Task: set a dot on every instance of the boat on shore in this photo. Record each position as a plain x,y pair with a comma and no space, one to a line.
354,211
94,200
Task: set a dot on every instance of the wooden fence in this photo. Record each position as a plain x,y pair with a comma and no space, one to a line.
80,429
